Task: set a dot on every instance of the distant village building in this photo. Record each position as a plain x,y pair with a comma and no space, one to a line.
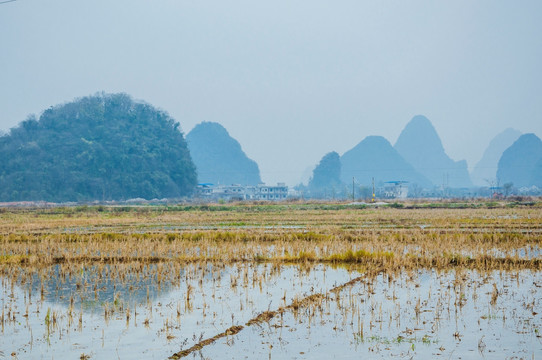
39,204
266,192
395,190
237,192
530,190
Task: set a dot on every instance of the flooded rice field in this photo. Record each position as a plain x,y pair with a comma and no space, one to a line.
157,311
152,311
299,284
424,315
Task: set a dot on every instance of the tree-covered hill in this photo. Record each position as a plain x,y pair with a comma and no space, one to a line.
326,177
102,147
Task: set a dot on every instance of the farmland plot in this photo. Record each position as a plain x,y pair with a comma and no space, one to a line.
261,281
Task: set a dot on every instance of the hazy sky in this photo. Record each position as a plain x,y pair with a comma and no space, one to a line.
291,80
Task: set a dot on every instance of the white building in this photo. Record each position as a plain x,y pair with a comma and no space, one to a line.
395,190
240,192
268,192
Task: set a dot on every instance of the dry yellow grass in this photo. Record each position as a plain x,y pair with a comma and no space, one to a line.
395,238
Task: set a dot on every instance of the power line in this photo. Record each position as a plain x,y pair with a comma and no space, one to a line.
7,1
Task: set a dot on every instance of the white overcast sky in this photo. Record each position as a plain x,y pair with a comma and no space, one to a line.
291,80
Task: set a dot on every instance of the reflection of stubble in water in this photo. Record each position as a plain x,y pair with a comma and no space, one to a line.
92,286
140,309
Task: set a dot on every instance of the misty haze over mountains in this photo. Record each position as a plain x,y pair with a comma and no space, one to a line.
219,158
302,78
420,145
374,157
485,171
418,158
109,147
521,163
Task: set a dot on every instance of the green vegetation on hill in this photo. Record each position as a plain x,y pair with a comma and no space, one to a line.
102,147
326,177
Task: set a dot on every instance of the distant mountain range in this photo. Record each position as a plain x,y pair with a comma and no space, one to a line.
418,157
110,147
219,158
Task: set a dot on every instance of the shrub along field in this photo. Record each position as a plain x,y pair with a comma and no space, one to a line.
272,280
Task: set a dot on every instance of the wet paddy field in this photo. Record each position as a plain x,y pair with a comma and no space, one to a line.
260,281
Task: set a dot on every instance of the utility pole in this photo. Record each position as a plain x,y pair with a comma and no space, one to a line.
373,200
445,183
353,189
